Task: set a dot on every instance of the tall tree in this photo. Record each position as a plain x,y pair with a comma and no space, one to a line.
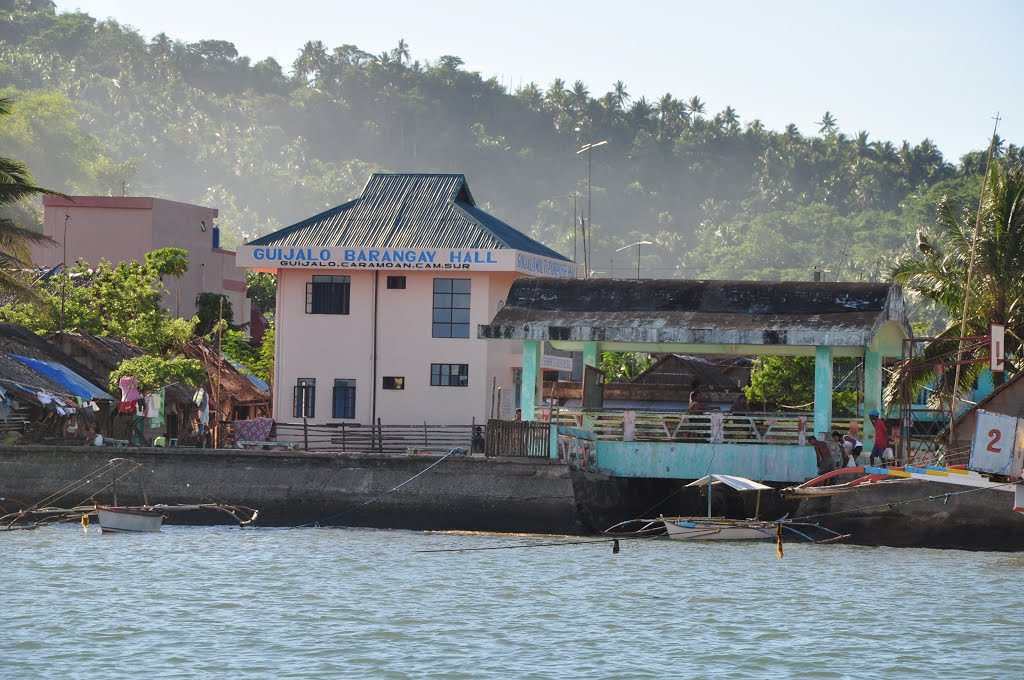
16,185
996,293
828,124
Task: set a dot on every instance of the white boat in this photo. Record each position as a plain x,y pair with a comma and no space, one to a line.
717,528
124,519
114,518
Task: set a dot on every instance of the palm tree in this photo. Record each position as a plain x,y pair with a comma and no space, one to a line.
401,52
16,185
312,61
621,96
828,124
695,106
996,293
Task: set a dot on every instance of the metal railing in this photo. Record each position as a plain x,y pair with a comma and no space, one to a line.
379,438
711,427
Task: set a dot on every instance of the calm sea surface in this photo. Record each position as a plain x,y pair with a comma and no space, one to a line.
335,603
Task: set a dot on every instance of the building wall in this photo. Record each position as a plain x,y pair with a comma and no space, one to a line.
119,229
112,229
329,346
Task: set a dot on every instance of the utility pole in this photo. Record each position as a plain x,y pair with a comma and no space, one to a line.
588,147
574,226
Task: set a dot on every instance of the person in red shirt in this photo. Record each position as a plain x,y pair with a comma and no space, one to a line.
881,437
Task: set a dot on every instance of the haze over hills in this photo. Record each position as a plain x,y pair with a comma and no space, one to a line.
103,109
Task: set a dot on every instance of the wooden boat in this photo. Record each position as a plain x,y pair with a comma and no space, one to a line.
718,529
113,517
711,528
122,519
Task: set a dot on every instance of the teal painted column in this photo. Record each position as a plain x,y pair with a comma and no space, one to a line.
822,390
872,395
590,357
531,378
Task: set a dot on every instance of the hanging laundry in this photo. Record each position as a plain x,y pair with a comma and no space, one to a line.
129,389
202,401
155,408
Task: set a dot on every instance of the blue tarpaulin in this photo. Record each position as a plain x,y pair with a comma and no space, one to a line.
258,382
62,375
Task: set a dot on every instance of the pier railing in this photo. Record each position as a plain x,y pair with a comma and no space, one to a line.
709,427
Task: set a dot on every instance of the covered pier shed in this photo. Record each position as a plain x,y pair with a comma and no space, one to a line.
823,320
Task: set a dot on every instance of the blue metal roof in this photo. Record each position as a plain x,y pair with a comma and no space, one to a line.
62,375
408,211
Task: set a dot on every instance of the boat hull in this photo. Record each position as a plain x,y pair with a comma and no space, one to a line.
697,529
129,520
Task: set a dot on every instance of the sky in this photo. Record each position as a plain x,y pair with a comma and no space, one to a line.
899,69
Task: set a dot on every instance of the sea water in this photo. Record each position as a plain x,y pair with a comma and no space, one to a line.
220,602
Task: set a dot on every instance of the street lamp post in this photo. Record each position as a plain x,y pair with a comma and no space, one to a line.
588,147
637,244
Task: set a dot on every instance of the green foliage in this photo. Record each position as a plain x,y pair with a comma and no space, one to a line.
211,308
121,301
171,262
16,188
720,195
264,367
235,347
782,381
942,267
154,372
262,291
624,366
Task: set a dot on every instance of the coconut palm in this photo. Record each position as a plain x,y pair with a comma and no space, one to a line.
828,124
16,185
401,52
621,96
996,293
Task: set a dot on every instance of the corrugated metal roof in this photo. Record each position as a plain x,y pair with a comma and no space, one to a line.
408,211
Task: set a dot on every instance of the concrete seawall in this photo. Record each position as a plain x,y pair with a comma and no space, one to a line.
290,488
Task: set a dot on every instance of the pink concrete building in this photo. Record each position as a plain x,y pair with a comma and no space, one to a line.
119,229
379,299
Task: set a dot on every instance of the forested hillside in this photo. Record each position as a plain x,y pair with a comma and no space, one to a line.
103,109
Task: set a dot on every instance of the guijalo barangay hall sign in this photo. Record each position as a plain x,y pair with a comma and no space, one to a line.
291,257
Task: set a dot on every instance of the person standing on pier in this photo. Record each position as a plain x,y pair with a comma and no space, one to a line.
881,437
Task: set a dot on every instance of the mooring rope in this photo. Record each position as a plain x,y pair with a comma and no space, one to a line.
354,508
